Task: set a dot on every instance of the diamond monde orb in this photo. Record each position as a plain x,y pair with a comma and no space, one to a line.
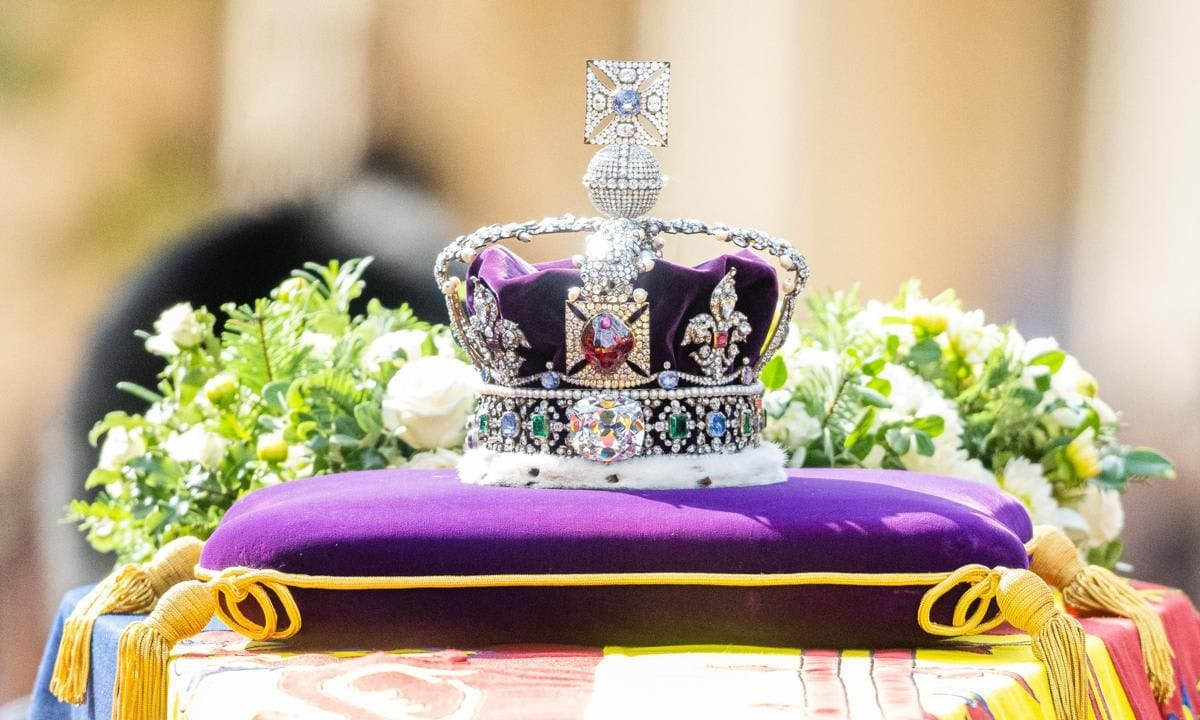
606,428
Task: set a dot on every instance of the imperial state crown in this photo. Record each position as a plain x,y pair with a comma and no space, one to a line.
617,368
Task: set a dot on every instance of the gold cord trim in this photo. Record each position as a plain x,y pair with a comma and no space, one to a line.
271,587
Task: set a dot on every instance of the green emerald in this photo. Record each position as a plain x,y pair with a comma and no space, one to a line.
747,422
483,423
540,428
677,426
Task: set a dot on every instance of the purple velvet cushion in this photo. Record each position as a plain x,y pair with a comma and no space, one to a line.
409,522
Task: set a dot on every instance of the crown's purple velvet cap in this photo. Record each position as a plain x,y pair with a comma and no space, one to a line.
533,297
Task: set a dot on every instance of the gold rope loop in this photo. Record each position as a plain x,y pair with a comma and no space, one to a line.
982,583
236,585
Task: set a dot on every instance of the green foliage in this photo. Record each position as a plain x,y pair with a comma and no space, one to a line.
292,385
919,383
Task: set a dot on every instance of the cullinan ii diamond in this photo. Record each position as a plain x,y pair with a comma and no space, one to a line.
606,428
606,342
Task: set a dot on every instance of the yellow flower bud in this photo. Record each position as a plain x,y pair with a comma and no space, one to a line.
932,323
1086,384
220,387
1083,455
272,448
290,288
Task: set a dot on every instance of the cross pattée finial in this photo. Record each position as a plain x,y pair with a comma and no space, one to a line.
627,102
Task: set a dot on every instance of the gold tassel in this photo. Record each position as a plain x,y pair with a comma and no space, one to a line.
140,691
1091,589
1058,639
129,589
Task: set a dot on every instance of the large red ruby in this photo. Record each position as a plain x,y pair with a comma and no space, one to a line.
606,342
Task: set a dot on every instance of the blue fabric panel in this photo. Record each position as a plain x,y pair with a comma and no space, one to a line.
107,633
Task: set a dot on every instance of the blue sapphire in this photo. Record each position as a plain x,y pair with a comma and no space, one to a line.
626,102
716,423
509,424
550,380
668,379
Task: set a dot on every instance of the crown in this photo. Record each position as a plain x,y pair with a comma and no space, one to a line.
616,367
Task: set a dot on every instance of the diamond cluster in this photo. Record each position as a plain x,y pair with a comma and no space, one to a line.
614,255
624,180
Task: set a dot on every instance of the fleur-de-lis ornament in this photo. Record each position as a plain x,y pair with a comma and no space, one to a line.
501,338
718,333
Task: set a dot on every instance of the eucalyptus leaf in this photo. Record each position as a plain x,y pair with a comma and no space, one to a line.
925,352
139,391
932,425
1145,462
924,443
275,394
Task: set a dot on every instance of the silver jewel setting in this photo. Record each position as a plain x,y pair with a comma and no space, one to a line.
627,102
720,331
611,401
495,339
612,426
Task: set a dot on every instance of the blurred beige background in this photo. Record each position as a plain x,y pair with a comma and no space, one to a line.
1042,157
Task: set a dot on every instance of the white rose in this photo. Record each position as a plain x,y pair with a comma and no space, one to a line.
970,338
1072,381
802,362
1069,416
1035,347
1108,416
428,400
120,446
196,445
1025,481
1101,510
932,317
176,328
299,461
797,458
320,345
385,347
871,323
445,345
776,402
794,428
439,459
1014,343
913,397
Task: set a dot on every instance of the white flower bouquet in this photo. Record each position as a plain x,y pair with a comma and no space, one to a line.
292,386
922,384
296,385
